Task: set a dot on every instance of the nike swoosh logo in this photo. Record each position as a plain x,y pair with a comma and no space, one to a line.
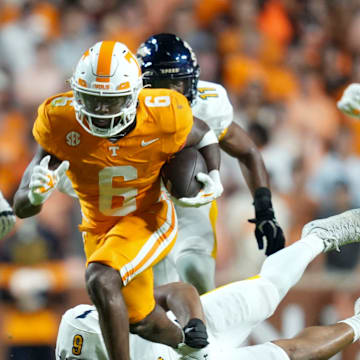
146,143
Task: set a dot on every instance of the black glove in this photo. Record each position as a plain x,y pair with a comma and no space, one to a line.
266,224
195,334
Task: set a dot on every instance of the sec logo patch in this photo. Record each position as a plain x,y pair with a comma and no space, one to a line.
73,138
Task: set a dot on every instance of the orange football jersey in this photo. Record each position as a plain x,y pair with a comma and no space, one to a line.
115,179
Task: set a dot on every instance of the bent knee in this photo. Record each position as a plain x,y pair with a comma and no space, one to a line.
101,278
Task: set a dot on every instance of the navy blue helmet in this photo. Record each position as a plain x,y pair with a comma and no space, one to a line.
168,62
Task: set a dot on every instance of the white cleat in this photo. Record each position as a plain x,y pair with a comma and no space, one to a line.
336,230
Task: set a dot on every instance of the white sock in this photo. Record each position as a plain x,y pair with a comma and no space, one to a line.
354,323
285,268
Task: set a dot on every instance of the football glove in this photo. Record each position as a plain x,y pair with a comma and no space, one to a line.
195,341
212,189
65,186
44,181
7,217
265,223
195,334
349,103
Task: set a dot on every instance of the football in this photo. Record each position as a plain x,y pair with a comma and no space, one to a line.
179,173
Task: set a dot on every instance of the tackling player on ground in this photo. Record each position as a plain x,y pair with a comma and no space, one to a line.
169,62
112,138
232,311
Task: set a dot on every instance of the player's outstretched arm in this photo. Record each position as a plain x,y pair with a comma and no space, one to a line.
182,299
205,140
238,145
322,342
38,183
318,342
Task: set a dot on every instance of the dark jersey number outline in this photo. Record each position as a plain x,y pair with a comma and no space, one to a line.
78,342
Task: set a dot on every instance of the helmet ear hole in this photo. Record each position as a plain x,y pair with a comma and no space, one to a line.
166,57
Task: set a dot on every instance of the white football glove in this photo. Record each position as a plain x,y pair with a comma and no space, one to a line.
349,103
212,189
65,186
44,181
7,217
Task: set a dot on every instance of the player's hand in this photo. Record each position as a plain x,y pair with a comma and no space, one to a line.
211,190
7,217
265,222
350,101
44,181
195,341
195,334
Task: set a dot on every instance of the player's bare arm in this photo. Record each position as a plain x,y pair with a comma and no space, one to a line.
238,144
210,148
318,342
205,140
182,299
23,207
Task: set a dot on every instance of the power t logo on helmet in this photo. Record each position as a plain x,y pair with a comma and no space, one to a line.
106,83
169,62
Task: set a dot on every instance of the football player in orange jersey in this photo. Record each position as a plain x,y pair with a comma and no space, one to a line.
112,137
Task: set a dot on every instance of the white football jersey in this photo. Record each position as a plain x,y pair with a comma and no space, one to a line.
213,106
231,311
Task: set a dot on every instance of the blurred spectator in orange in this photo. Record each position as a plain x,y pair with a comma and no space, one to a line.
206,11
312,118
274,22
14,138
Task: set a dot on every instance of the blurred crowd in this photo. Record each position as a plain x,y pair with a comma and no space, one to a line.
284,63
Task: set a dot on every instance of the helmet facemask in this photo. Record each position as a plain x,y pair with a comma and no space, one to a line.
186,85
105,116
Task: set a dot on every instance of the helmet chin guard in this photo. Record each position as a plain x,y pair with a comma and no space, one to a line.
106,84
167,57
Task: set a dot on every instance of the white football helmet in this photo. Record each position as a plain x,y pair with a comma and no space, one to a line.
106,84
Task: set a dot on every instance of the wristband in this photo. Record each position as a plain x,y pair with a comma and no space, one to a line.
354,323
208,139
262,199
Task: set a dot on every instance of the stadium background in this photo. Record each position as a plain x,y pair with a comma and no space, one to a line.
284,63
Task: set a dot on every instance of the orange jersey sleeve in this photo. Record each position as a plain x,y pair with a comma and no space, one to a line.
51,112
